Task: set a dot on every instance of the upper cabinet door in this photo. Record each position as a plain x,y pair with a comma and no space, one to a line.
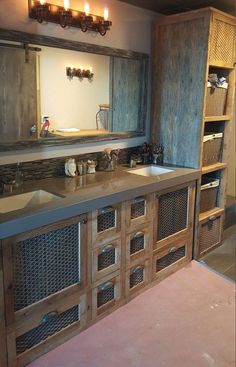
18,94
222,41
128,94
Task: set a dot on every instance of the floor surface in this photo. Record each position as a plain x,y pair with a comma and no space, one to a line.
223,258
188,320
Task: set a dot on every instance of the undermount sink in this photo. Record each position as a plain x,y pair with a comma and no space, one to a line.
26,200
150,171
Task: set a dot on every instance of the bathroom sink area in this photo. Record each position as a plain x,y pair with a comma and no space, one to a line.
151,171
26,200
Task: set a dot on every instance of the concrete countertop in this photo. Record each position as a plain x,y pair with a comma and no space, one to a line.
82,194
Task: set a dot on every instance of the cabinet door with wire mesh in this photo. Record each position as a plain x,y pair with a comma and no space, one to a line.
174,213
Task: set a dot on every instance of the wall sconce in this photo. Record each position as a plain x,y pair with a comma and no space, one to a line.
80,73
43,11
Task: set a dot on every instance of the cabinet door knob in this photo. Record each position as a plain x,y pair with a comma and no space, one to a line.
172,249
49,316
212,218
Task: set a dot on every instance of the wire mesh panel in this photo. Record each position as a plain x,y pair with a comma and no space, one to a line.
170,259
138,208
173,210
45,264
136,276
222,42
106,293
210,232
106,219
107,257
50,325
137,243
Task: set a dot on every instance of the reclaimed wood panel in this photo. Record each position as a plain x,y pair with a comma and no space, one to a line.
3,347
180,59
18,97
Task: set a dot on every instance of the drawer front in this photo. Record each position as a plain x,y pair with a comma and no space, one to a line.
168,260
138,211
106,259
210,233
138,245
106,222
137,277
45,264
106,295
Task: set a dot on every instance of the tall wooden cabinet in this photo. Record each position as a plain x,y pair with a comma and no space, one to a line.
187,47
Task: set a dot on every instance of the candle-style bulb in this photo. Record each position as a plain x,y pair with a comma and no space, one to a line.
91,69
66,4
42,2
86,9
106,14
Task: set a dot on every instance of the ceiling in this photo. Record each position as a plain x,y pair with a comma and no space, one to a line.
176,6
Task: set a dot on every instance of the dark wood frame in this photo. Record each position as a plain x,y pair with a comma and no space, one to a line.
28,38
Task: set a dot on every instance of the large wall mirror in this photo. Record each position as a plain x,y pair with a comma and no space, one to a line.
45,100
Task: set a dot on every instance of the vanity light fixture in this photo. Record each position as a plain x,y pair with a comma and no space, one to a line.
80,73
43,11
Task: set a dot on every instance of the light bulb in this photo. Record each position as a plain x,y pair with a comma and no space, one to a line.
66,4
42,2
106,14
81,68
91,69
86,9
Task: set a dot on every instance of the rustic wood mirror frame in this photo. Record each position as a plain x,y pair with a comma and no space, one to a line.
35,39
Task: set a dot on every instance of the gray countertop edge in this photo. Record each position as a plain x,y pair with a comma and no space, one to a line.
49,215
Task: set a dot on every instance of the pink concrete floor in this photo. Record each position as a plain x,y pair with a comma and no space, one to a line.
188,320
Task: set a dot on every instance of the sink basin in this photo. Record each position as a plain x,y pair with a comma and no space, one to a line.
26,200
150,171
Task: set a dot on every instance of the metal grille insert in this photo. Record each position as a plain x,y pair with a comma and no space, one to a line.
172,216
45,264
138,207
106,219
209,234
137,243
136,276
107,257
49,326
106,293
170,258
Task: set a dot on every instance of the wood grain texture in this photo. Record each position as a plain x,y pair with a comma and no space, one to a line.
3,347
180,57
18,95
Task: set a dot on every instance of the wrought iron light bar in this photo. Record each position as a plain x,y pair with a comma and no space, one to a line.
43,11
79,73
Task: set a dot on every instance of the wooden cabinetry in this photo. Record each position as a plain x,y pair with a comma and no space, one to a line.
59,279
187,48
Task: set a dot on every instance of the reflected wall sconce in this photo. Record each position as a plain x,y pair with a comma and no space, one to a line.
43,11
80,73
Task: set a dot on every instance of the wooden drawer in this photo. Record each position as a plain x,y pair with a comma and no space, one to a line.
106,295
174,214
210,233
138,211
137,277
138,245
45,326
106,223
106,259
171,258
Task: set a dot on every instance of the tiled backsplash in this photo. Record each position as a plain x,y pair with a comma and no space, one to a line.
37,170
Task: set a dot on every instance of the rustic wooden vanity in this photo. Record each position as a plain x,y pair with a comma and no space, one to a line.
115,238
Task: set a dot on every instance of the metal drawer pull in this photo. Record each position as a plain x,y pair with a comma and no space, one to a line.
105,210
172,249
138,199
49,316
212,218
136,269
138,234
107,248
83,221
105,286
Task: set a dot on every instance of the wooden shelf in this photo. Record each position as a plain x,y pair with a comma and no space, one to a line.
217,118
209,213
213,167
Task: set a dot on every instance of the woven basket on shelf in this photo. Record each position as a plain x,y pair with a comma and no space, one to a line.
215,101
212,149
209,191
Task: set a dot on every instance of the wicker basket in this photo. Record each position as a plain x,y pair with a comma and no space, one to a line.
212,148
215,101
209,191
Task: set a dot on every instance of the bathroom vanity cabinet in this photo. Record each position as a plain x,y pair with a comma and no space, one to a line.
59,279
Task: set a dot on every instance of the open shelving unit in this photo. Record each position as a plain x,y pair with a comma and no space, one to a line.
187,48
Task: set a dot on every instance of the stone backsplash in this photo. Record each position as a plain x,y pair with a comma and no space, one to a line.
54,167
